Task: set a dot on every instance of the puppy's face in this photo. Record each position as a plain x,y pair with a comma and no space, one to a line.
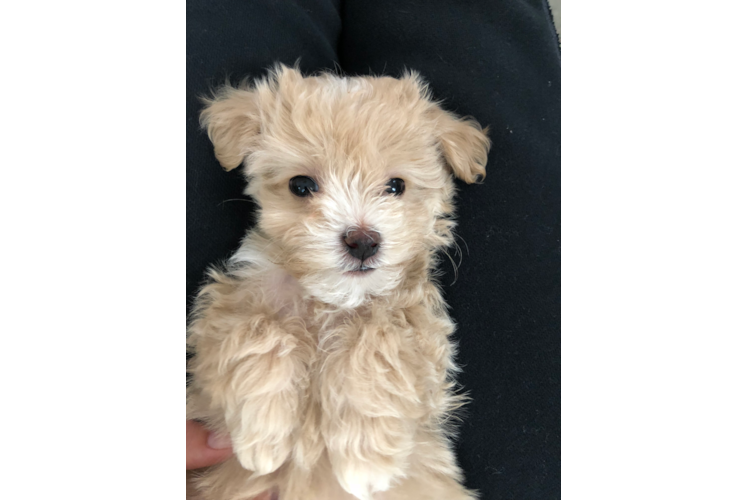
353,176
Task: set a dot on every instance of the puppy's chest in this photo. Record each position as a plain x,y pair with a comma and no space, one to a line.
376,355
369,350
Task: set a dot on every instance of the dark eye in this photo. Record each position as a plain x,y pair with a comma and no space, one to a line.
395,186
302,186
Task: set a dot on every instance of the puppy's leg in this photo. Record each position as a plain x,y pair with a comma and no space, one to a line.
370,406
368,453
269,380
253,369
432,475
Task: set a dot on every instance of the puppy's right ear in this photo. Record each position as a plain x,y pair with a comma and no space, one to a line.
232,120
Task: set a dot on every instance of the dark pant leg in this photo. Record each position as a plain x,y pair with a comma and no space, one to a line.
498,61
239,39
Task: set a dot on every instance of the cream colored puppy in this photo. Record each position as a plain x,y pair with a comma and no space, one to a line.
323,348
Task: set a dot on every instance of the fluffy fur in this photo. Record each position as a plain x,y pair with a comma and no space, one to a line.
333,383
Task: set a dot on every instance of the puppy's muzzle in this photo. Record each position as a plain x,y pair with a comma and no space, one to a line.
362,243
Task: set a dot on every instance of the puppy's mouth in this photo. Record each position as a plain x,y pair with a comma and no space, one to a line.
362,270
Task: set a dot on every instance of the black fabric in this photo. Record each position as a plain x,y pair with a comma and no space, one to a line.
498,61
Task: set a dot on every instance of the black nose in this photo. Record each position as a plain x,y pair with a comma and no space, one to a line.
362,244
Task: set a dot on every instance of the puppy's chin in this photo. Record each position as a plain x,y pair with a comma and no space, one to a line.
350,288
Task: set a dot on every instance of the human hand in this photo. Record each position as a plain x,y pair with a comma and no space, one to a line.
205,448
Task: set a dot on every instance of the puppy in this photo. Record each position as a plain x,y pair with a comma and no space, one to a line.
323,347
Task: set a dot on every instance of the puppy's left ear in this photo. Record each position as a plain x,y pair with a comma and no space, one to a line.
232,120
464,145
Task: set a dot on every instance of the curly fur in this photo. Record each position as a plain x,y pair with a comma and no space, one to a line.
333,384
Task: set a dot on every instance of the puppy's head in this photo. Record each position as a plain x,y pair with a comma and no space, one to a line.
353,176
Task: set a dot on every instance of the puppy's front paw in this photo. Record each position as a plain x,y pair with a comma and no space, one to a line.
376,464
363,478
263,457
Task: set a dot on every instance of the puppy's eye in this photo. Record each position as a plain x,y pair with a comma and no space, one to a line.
395,186
302,186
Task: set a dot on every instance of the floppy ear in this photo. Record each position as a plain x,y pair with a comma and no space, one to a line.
464,145
232,120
